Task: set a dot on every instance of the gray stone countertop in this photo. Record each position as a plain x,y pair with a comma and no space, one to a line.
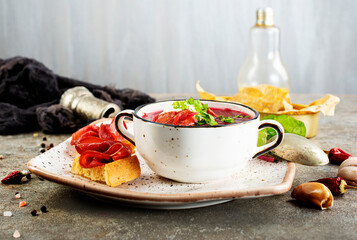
75,215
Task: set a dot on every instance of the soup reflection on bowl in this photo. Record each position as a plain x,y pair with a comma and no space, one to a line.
205,142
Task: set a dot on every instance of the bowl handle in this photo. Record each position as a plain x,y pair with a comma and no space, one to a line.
120,125
269,146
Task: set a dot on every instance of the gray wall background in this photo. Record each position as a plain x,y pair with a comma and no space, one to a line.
166,46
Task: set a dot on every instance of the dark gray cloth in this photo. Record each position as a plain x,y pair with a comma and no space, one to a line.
30,93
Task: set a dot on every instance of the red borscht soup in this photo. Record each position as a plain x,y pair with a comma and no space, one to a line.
221,116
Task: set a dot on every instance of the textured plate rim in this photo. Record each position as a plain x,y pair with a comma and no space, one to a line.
124,194
102,189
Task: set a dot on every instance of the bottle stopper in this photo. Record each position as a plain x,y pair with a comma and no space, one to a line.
265,17
86,105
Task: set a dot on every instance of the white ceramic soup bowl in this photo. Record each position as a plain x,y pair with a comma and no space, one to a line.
196,154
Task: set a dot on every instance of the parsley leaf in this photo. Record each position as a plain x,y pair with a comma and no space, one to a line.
202,116
226,119
180,105
205,118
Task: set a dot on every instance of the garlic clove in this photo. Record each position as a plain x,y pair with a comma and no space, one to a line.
348,171
313,193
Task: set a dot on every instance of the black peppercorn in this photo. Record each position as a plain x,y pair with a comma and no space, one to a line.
44,209
34,212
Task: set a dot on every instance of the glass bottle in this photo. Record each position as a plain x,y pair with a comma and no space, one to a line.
263,64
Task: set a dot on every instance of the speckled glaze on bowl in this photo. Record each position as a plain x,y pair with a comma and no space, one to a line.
196,154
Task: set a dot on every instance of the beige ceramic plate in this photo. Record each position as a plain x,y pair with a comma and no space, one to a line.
259,179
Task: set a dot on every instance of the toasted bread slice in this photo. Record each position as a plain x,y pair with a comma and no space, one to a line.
113,174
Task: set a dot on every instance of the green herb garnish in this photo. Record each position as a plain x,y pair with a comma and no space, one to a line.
180,105
231,119
205,118
226,119
202,116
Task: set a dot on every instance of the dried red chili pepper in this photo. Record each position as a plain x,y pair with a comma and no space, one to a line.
337,185
337,155
267,158
15,177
